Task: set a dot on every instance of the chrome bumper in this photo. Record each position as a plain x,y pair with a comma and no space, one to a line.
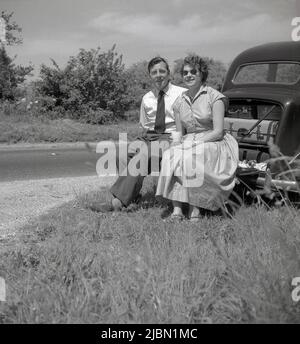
287,185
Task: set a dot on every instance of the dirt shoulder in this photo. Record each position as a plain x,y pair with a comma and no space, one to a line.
21,201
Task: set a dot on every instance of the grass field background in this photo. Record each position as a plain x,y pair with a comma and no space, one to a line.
77,265
23,127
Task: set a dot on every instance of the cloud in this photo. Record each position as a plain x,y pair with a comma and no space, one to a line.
178,3
194,29
48,46
126,24
57,45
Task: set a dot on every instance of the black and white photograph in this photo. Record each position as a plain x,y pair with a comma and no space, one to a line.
149,165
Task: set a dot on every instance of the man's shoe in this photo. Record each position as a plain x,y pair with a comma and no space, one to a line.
116,204
101,207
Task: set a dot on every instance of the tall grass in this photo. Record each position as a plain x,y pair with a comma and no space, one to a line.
21,125
78,265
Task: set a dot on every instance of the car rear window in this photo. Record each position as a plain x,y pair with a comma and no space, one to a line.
279,72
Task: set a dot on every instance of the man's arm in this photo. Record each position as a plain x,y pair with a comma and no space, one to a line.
143,119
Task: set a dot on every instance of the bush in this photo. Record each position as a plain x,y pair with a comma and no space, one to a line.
138,82
132,115
92,85
98,116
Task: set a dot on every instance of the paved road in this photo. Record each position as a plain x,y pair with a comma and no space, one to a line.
50,163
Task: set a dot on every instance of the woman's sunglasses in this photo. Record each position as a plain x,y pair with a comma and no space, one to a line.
192,71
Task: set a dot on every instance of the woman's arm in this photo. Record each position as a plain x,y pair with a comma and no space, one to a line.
178,121
217,133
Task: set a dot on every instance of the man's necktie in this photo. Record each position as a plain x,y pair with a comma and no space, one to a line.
160,120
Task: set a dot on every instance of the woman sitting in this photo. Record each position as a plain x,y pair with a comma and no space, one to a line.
200,168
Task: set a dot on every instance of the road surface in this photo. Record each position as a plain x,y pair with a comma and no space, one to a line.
36,179
50,163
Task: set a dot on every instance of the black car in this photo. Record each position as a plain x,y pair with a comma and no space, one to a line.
262,86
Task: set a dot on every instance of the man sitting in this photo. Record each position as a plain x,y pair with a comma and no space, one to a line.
157,120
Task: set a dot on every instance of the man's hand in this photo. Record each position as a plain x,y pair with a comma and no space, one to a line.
173,144
142,131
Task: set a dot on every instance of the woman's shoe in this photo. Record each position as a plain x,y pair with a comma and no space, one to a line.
194,213
175,218
195,218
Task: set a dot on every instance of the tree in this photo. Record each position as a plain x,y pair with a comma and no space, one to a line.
11,76
10,30
92,81
138,82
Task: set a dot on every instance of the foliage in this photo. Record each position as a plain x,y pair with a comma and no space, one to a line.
133,115
12,29
96,116
11,76
26,122
92,86
138,82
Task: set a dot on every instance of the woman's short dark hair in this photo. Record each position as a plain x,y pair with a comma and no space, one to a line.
157,60
196,61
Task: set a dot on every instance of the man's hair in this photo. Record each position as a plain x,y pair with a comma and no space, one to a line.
157,60
197,62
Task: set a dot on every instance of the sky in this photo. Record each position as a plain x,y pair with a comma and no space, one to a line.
142,29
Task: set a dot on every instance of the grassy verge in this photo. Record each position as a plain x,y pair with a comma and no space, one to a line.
25,128
77,265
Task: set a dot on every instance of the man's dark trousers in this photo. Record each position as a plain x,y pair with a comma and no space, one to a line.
127,187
